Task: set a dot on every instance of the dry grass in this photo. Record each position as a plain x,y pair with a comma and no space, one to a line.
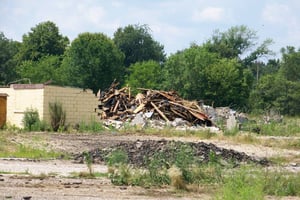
176,177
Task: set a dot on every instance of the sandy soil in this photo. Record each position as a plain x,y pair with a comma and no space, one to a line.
58,184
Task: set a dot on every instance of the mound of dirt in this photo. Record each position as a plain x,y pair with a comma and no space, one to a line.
139,152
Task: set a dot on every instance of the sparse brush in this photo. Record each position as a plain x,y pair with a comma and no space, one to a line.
176,177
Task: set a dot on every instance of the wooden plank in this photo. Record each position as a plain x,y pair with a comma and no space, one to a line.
198,115
139,108
107,98
159,112
116,106
194,112
166,95
177,113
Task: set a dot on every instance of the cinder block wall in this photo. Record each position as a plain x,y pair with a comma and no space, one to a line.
79,104
19,99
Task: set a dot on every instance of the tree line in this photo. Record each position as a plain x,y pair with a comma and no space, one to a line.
225,70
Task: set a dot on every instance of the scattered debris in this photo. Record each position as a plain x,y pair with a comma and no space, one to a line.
120,105
138,150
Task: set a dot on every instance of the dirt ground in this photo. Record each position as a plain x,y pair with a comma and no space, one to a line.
51,179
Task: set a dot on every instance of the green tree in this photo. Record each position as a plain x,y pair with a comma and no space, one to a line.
275,92
239,42
45,69
197,73
184,71
43,40
145,74
136,42
290,67
227,83
93,61
280,91
8,49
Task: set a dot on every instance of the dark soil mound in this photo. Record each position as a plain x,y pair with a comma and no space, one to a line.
141,151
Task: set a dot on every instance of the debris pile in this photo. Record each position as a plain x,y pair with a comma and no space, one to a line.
119,104
141,151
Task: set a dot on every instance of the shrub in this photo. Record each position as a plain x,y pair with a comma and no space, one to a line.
57,115
31,119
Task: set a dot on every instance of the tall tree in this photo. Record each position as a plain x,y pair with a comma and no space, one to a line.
93,61
290,67
239,42
145,74
197,73
43,40
280,91
136,42
8,50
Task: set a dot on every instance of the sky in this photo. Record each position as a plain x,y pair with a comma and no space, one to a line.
174,23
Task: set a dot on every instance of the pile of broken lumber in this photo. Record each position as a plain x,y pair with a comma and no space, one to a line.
119,104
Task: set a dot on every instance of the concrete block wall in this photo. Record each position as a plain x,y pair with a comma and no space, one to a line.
79,104
18,100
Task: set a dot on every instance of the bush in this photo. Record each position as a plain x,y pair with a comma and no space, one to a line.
57,115
31,120
117,157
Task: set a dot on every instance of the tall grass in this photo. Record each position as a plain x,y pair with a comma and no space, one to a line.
92,126
242,185
289,126
255,183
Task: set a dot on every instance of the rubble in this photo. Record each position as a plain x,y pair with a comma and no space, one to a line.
140,151
121,105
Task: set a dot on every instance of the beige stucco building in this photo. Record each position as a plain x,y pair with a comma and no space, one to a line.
79,104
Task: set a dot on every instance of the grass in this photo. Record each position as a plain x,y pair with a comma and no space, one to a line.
289,126
284,143
256,183
183,173
241,185
23,151
167,131
91,127
9,149
88,175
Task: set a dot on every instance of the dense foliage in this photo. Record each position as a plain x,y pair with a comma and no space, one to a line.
145,74
93,61
137,44
8,49
225,70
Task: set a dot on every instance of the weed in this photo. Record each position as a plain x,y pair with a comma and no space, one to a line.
121,175
117,157
176,177
57,115
88,160
93,126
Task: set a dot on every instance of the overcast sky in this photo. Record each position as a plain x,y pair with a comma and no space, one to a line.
174,23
